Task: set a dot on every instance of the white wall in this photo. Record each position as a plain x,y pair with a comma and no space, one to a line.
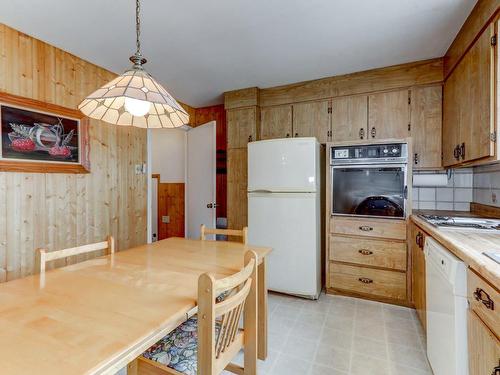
168,153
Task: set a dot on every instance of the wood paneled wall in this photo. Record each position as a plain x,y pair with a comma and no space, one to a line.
61,210
171,202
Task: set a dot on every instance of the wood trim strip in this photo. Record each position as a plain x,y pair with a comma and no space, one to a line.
485,210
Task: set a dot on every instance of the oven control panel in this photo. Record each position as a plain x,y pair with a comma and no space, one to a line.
394,152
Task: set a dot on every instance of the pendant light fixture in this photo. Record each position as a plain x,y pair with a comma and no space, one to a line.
135,98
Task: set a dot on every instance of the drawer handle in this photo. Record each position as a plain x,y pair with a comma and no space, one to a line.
365,252
481,295
365,228
365,280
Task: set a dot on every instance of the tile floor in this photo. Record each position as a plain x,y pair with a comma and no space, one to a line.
340,336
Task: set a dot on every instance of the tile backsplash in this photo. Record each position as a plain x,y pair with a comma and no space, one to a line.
486,185
456,195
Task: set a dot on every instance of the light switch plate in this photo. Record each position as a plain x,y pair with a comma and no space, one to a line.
165,219
138,169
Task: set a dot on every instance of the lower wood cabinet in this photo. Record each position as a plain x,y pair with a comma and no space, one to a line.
416,244
368,281
484,348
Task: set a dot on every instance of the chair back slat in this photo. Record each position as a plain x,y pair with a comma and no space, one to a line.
215,349
225,232
45,256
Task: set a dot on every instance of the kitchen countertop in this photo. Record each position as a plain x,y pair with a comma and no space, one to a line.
466,244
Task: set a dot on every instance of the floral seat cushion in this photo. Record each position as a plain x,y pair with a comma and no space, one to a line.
179,349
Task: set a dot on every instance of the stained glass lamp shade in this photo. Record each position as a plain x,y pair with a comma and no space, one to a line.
135,98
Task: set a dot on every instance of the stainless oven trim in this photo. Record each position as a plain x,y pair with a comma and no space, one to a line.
403,166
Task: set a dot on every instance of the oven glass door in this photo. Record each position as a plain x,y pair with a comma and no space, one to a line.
373,190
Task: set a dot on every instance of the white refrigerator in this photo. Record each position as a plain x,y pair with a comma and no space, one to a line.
284,212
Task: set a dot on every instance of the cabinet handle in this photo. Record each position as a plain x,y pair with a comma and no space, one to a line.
484,298
365,280
365,228
361,133
373,132
415,158
462,151
365,252
456,152
249,138
496,370
288,135
296,134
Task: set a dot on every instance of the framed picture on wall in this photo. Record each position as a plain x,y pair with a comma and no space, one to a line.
42,137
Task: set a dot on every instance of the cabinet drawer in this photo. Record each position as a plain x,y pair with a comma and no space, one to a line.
367,251
484,300
395,229
388,284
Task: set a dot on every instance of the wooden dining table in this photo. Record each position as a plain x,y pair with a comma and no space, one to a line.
97,316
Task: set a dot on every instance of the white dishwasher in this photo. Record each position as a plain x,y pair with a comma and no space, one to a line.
446,287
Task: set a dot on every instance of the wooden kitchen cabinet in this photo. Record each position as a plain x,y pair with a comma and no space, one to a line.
276,122
389,115
312,119
416,243
237,206
241,126
484,348
426,124
469,97
349,118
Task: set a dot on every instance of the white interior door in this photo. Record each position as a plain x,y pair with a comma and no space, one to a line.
200,179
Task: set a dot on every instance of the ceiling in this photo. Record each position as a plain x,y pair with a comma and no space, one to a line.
199,49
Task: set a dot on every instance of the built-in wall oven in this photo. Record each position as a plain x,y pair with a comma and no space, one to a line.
369,180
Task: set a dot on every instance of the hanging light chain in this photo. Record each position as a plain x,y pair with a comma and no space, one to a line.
138,26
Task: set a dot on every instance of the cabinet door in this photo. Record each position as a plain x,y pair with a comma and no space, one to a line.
426,123
416,243
241,127
349,118
237,188
484,347
451,117
312,120
389,115
477,124
276,122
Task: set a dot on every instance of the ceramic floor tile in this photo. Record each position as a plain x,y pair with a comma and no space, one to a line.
371,328
288,365
403,337
324,370
310,331
333,357
341,323
286,311
312,317
402,324
336,338
299,347
397,369
364,365
369,347
280,325
408,356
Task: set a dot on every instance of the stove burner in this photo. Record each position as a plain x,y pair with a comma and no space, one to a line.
463,222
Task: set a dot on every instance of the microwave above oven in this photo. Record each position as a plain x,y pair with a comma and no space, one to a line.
369,180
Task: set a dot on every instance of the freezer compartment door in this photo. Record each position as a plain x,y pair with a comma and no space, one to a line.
290,224
284,165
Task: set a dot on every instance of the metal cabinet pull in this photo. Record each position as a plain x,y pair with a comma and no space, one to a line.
496,371
361,133
288,135
365,251
365,228
365,280
462,151
456,152
296,134
484,298
419,239
373,132
249,138
415,158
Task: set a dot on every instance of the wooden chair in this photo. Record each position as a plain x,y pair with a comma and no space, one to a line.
226,232
45,256
219,339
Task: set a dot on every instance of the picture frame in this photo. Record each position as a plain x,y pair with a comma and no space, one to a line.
39,137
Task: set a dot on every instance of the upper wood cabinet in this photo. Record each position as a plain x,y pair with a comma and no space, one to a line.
349,118
469,97
241,127
389,114
312,119
276,122
426,124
